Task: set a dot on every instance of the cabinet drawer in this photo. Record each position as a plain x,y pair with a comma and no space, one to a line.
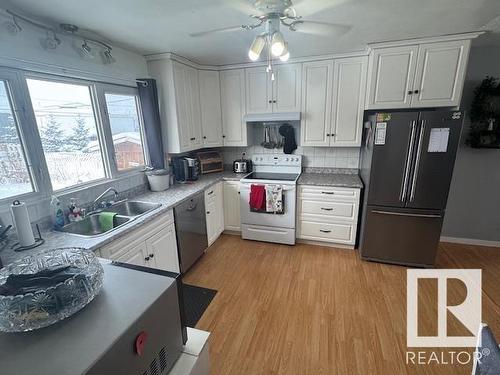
329,232
328,209
328,193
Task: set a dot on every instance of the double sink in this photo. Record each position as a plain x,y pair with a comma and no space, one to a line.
94,223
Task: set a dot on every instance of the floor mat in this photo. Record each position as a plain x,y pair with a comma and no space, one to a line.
196,301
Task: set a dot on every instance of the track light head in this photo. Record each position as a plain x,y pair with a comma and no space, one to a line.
107,57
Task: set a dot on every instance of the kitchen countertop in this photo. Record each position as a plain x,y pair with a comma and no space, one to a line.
348,180
169,198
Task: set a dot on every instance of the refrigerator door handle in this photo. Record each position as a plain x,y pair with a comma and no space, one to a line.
405,214
417,162
404,188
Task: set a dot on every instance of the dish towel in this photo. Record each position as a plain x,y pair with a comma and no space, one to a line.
274,198
257,197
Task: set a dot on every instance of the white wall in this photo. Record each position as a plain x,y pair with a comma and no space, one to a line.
473,210
24,51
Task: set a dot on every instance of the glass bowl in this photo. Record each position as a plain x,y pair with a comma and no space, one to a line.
46,306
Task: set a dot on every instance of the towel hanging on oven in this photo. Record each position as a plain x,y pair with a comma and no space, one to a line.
274,199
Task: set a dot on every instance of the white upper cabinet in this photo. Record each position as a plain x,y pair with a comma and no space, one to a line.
416,76
234,128
349,85
211,115
316,103
281,95
287,88
392,72
179,102
258,90
440,74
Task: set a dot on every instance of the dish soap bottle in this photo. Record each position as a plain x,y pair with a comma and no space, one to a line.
57,213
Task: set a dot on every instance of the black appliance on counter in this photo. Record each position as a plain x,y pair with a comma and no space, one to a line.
407,165
134,326
185,168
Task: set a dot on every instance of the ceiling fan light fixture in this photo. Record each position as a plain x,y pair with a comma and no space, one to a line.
277,44
286,54
256,48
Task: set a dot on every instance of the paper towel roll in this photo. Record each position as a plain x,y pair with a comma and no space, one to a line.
22,223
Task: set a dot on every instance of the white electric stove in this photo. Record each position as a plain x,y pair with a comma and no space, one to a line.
271,169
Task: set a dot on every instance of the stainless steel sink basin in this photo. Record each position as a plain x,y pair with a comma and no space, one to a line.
132,208
92,225
125,211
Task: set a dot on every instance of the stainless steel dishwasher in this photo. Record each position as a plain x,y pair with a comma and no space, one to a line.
191,230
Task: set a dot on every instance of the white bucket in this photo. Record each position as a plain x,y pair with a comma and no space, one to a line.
159,180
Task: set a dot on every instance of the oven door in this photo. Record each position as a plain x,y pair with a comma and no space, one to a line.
282,220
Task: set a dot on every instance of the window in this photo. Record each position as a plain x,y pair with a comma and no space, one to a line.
126,131
66,121
15,178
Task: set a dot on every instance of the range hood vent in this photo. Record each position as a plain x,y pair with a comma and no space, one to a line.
273,117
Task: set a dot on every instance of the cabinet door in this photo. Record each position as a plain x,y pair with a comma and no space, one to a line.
287,88
234,128
391,75
232,219
193,90
136,255
211,212
162,248
316,103
258,90
211,116
440,74
181,88
349,83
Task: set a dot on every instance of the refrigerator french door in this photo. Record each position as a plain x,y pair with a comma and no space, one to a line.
407,166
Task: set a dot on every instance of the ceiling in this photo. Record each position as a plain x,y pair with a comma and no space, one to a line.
155,26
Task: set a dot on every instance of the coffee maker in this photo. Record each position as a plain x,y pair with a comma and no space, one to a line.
185,169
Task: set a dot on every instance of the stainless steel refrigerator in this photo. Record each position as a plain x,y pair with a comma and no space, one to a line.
407,165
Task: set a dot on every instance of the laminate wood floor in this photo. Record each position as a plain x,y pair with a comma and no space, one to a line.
309,309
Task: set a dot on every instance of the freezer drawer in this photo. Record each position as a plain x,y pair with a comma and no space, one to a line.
401,236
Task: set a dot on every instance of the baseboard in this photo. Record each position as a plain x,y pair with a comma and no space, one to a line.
327,244
470,241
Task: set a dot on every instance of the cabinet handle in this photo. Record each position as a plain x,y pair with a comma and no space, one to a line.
327,134
274,101
415,92
204,137
151,256
192,139
410,92
208,212
223,136
326,209
210,192
270,101
324,231
328,192
146,259
333,134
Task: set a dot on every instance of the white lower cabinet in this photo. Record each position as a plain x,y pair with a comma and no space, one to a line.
232,216
328,214
214,210
152,245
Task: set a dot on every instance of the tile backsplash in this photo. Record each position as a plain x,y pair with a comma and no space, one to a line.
317,157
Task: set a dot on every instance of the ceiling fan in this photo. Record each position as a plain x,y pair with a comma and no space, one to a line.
273,14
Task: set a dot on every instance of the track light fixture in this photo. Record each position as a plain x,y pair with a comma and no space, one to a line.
107,57
51,41
12,26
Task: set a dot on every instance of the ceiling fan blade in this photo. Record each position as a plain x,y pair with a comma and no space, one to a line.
321,28
216,31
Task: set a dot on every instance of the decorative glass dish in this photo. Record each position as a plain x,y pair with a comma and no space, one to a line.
33,297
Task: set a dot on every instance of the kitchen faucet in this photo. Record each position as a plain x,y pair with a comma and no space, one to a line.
96,203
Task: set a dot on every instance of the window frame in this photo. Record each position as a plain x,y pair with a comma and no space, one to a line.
32,145
99,128
102,90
